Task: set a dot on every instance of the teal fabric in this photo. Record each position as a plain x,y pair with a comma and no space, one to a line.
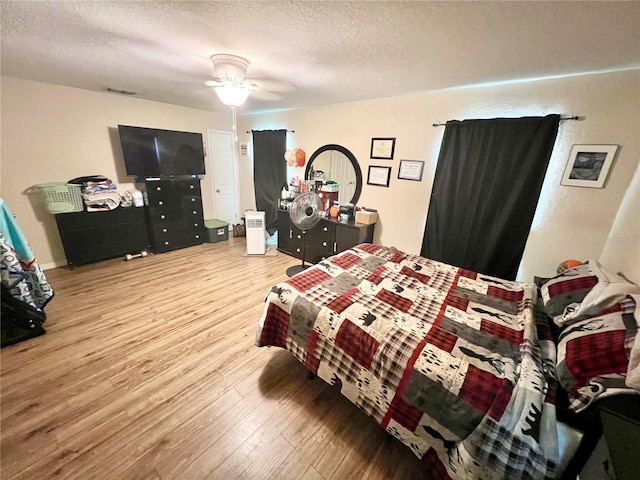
14,235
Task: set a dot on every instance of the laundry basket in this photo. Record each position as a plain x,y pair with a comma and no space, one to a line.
61,197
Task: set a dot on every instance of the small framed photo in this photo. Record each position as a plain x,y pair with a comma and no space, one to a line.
382,148
411,170
379,176
588,165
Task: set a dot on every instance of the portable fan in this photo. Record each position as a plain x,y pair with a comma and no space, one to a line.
304,214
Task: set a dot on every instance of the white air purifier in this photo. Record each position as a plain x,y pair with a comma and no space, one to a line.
256,236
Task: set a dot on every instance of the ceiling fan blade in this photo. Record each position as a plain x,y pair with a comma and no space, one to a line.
267,96
280,86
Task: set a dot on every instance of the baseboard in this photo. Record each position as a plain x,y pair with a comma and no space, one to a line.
51,265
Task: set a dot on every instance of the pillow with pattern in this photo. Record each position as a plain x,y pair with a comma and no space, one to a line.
571,286
593,354
584,291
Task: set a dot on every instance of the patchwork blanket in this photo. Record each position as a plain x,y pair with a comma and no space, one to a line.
450,362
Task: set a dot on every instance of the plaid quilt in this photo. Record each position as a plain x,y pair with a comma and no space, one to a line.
452,363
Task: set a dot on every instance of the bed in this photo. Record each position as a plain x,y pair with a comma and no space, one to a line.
459,366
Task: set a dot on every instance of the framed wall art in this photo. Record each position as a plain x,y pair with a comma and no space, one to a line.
411,170
588,165
382,148
379,176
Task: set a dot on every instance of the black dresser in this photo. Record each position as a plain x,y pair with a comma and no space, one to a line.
89,237
174,212
328,237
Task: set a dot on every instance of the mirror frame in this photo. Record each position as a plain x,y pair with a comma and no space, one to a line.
352,159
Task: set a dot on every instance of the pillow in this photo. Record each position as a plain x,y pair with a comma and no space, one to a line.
609,290
593,354
584,291
568,287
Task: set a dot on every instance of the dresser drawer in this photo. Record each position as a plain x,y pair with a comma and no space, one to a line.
82,220
174,239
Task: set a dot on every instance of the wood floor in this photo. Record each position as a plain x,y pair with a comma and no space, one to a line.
148,370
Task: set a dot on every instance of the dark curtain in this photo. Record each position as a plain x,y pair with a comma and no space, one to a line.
485,192
269,173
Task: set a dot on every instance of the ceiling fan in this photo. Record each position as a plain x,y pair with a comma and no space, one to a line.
231,84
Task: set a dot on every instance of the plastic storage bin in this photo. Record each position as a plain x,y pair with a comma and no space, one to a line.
61,197
217,230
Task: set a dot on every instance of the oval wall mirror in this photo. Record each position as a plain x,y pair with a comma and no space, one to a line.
339,165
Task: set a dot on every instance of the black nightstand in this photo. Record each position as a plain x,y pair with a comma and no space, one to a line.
621,424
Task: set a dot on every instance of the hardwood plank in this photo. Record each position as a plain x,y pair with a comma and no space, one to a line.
363,437
123,450
309,436
311,474
264,465
245,437
149,370
55,464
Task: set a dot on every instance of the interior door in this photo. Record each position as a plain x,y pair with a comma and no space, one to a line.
225,177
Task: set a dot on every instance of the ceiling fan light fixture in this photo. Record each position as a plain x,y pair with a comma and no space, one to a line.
232,95
230,67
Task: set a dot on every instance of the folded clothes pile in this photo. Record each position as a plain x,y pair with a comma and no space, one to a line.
101,200
99,193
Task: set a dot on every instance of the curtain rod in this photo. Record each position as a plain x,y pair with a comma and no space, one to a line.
250,131
574,117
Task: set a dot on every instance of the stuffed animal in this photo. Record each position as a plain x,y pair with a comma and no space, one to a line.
567,265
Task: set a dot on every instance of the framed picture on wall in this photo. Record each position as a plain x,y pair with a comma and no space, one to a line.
379,176
588,165
382,148
411,170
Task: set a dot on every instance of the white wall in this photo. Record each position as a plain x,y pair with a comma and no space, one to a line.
621,251
52,133
570,222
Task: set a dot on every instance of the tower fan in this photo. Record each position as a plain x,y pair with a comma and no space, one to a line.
304,214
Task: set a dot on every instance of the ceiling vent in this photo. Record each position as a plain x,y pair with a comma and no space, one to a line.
121,91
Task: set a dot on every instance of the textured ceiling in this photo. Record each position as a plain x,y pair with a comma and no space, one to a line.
312,53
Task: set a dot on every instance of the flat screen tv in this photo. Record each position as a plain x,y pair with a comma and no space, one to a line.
151,152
